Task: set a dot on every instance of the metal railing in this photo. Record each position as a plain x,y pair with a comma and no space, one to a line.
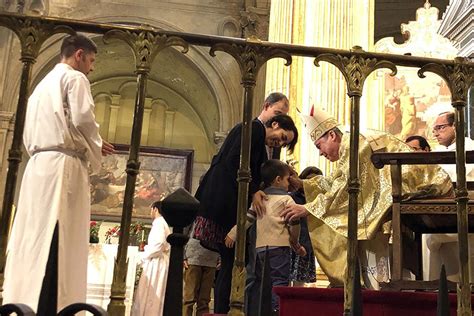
251,54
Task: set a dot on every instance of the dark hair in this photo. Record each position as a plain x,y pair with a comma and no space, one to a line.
285,122
275,97
271,169
449,117
157,204
423,142
73,43
309,171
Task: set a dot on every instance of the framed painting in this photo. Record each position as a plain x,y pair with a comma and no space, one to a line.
412,104
162,171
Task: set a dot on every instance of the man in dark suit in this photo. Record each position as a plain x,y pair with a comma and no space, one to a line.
275,103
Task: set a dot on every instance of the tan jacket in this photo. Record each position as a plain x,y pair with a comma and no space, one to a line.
272,231
271,228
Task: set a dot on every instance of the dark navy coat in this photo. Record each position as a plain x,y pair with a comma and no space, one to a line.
219,188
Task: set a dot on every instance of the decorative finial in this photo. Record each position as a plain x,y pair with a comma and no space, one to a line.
37,6
427,4
357,49
253,39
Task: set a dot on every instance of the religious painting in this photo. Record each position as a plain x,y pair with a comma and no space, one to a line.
412,104
162,171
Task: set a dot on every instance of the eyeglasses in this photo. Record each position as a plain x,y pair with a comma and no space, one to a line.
438,128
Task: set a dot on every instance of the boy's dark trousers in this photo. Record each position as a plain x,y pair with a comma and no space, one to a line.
279,258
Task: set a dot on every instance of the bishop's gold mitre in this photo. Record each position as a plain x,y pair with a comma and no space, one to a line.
318,123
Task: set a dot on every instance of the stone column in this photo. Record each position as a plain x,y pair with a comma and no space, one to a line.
326,23
169,126
296,73
5,51
6,130
113,119
280,30
101,111
287,26
470,111
146,121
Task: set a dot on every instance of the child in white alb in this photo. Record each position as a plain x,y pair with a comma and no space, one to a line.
150,294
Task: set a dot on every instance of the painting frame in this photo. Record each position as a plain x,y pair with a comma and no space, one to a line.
411,105
162,171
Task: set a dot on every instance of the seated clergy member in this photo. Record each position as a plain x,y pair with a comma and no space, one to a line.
418,143
443,248
327,198
445,132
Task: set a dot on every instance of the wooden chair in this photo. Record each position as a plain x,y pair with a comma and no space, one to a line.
413,218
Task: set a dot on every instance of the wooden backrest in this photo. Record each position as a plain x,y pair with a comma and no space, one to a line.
420,216
418,158
436,208
396,160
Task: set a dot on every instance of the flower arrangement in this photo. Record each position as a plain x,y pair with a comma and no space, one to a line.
112,232
94,232
136,233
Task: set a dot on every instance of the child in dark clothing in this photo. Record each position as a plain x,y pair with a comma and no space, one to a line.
303,268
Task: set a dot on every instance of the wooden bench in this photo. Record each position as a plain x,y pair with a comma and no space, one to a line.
411,219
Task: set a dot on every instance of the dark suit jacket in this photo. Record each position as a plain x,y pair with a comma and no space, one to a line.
219,188
276,151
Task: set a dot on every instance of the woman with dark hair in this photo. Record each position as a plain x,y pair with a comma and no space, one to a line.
219,189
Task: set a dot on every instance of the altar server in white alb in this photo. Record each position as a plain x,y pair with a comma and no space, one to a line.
150,295
62,138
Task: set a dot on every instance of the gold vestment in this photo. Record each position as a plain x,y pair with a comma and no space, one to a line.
329,200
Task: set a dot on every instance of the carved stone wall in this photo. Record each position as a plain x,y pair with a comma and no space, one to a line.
6,129
406,92
190,96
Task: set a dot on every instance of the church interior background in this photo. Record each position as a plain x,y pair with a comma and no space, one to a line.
193,99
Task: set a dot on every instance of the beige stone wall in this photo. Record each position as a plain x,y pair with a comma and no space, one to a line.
190,97
6,130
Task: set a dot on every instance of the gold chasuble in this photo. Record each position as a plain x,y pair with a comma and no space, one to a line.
330,200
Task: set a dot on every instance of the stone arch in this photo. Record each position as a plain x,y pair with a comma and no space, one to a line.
221,72
227,91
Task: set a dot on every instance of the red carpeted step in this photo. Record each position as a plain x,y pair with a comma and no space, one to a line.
303,301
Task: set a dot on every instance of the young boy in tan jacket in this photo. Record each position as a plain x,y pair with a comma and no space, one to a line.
272,230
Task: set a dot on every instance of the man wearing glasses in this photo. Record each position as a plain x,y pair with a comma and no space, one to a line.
445,133
444,130
442,248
